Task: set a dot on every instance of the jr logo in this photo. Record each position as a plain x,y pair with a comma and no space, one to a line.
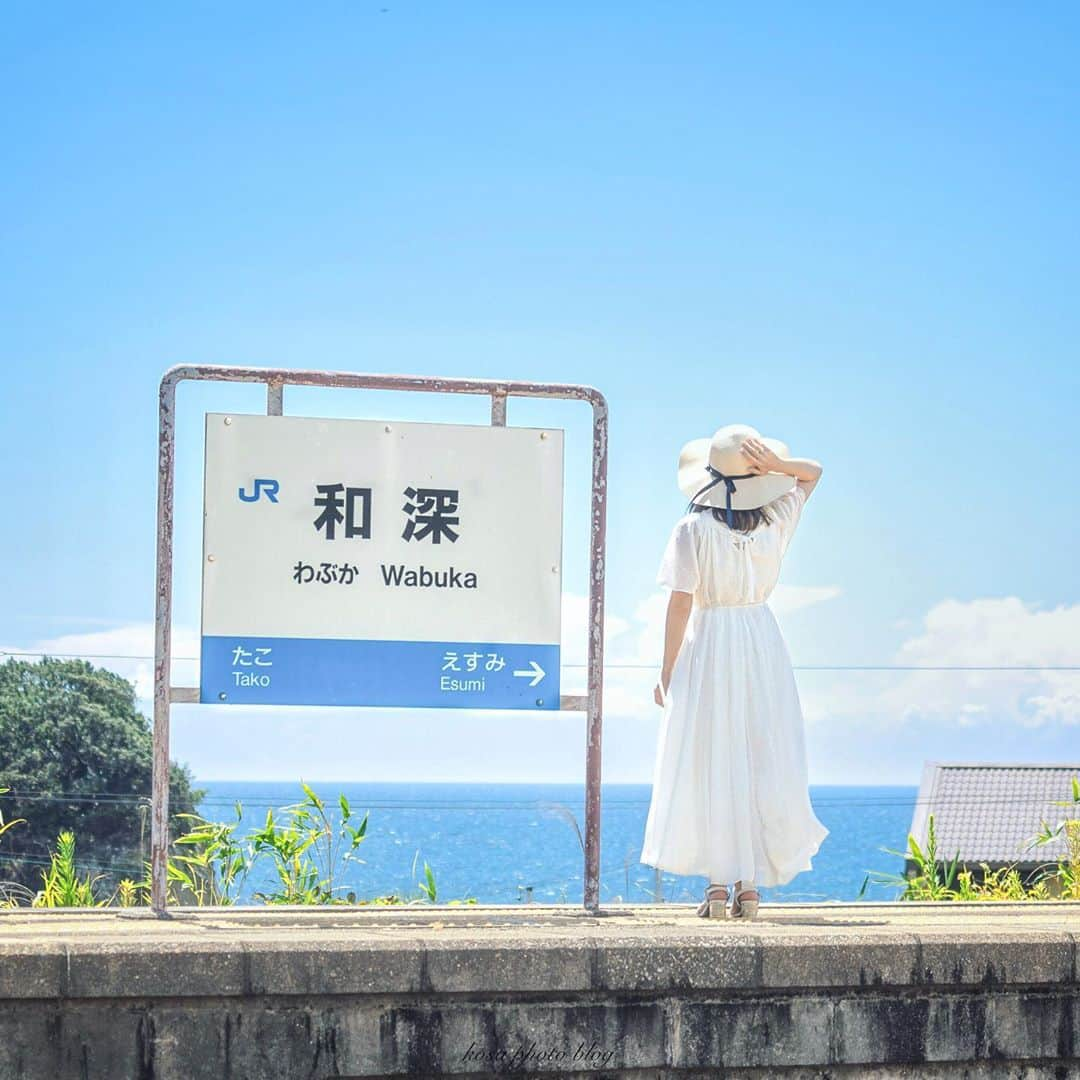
269,488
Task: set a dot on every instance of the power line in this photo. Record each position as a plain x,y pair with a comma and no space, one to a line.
86,656
641,667
91,798
877,667
40,860
213,801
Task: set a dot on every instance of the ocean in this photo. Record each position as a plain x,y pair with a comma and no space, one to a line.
510,843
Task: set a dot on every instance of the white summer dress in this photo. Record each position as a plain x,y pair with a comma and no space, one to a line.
729,794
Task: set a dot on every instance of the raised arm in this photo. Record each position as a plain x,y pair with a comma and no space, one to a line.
678,613
762,460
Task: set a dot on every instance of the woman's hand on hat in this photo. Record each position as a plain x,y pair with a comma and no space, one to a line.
761,459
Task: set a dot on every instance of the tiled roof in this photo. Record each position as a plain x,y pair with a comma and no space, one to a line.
988,813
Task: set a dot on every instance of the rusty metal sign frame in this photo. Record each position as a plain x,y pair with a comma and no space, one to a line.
275,380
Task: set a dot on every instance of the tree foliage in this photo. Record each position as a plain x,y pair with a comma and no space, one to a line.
76,755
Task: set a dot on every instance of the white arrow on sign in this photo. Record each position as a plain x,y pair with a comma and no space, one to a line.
536,674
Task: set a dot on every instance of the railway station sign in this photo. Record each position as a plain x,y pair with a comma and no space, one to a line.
360,562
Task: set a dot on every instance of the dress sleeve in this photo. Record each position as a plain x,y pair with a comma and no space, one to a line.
786,512
679,566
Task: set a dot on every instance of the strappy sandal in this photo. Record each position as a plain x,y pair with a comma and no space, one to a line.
714,906
745,904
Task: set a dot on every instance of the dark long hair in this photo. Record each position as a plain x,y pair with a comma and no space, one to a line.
741,520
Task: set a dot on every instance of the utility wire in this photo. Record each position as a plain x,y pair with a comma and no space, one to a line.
38,860
646,667
217,801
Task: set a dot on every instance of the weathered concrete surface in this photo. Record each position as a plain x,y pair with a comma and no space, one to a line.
824,990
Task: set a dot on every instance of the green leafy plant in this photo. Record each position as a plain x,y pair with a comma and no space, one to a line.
1066,874
5,825
11,892
429,892
129,894
211,864
307,845
308,849
1004,883
933,878
427,886
61,884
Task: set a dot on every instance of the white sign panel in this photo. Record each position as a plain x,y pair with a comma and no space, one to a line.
359,562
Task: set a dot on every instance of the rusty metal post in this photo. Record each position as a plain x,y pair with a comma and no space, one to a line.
275,380
159,819
595,715
275,397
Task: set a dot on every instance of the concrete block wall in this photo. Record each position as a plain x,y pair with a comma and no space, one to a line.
284,995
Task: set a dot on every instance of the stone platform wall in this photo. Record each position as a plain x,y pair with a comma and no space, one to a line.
807,991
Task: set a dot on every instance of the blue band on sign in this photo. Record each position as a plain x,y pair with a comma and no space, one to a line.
393,674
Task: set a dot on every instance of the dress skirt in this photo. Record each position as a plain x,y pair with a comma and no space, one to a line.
729,794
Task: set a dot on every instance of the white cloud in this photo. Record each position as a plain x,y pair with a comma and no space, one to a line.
1000,630
995,632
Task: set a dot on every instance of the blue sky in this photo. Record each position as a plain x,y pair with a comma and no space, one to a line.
854,229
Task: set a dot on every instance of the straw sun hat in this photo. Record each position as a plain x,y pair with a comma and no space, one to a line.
713,472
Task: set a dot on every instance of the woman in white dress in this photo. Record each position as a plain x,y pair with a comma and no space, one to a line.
729,795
